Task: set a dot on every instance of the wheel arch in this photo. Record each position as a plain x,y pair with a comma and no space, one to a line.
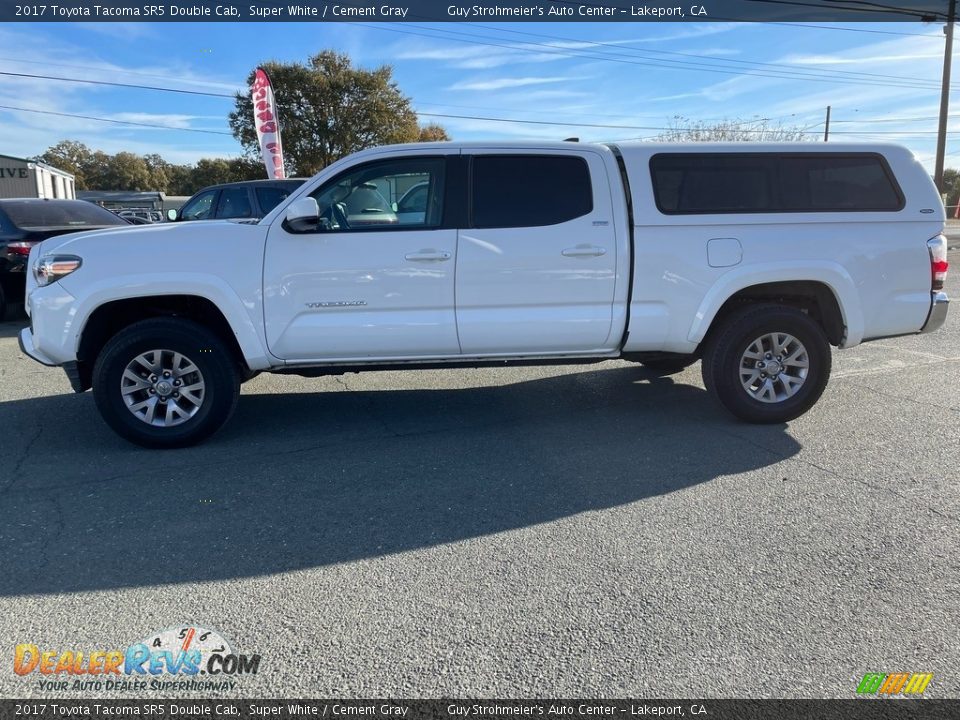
109,318
827,295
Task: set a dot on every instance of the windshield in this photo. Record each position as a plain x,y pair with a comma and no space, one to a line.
59,213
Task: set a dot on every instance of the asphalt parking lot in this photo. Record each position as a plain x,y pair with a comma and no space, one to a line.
573,531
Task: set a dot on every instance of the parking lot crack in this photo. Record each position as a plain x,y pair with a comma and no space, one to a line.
21,459
841,476
50,537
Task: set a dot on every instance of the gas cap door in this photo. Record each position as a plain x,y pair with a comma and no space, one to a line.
724,252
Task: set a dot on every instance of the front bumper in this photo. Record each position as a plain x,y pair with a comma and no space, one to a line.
25,338
939,302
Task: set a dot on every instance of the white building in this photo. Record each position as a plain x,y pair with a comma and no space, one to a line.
21,178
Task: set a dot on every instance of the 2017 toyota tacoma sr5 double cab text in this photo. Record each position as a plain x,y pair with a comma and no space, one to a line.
753,258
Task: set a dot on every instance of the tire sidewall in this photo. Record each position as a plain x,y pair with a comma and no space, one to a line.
194,342
729,352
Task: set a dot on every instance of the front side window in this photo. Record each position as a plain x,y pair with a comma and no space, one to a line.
199,208
234,203
529,190
375,196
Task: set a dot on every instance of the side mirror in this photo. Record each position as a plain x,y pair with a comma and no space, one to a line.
171,214
303,215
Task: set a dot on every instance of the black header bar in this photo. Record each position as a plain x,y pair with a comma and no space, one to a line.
690,709
917,11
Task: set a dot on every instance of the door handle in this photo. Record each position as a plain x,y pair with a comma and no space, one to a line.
584,251
428,256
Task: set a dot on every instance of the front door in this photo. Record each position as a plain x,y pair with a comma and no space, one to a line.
367,282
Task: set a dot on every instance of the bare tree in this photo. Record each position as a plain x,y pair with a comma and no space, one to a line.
684,129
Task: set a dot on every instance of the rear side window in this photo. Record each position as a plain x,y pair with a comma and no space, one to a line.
838,183
529,190
693,184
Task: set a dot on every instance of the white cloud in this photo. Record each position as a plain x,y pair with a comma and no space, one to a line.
506,82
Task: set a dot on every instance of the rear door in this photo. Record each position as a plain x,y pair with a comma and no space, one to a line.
536,265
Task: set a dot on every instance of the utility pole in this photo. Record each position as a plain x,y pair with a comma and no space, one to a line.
826,130
945,97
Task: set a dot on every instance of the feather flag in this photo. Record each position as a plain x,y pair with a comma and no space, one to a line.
268,124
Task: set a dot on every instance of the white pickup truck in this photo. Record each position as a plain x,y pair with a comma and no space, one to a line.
754,258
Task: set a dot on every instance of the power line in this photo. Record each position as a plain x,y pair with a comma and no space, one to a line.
116,70
109,120
844,29
115,84
672,65
632,48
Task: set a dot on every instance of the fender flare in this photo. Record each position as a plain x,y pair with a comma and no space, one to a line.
237,313
831,274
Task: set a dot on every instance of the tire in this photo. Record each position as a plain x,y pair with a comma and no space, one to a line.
125,388
3,304
755,337
667,367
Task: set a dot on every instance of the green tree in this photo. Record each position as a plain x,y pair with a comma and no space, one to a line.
327,109
71,156
180,180
126,171
159,172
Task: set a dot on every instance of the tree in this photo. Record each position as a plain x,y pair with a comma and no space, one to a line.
126,171
432,133
159,171
686,130
71,156
951,185
327,109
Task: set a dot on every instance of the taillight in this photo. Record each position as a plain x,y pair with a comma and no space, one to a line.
20,249
938,261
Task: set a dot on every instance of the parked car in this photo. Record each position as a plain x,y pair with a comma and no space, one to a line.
752,258
141,216
412,206
25,222
248,200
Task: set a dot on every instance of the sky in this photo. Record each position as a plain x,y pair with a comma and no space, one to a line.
607,81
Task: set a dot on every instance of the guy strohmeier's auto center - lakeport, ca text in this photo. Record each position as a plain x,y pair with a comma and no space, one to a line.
334,11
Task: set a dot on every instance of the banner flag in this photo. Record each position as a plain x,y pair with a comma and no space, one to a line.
268,125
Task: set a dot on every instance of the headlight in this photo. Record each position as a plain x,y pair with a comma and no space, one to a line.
51,268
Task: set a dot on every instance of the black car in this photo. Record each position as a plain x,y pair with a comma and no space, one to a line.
251,199
26,221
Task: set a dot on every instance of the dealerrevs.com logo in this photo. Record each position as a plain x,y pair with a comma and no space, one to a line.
186,657
894,683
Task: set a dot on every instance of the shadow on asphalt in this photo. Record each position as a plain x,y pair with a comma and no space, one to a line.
14,323
305,480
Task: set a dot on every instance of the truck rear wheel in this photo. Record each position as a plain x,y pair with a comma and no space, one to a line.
767,363
165,383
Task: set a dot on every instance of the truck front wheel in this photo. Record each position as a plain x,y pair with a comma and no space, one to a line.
165,382
767,363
